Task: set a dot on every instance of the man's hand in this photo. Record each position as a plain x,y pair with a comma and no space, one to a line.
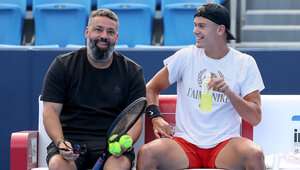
161,128
218,84
123,150
66,151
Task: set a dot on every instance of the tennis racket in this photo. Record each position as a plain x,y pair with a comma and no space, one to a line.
121,125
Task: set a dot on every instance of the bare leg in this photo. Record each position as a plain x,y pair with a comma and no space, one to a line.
241,153
121,163
162,154
57,162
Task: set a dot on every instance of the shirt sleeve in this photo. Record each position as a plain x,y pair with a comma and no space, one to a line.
252,80
54,86
176,65
137,87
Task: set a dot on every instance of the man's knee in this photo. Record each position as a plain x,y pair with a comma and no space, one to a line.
145,157
144,152
58,163
257,153
122,163
255,158
55,164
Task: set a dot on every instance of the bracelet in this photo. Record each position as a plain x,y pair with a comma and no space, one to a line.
152,111
60,141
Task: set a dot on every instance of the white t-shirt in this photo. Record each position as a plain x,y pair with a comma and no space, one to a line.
188,67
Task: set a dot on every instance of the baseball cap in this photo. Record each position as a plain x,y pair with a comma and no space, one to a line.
217,14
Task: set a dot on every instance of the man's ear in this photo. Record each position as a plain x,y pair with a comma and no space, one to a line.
86,32
221,29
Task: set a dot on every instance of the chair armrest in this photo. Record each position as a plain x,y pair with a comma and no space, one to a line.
247,130
23,150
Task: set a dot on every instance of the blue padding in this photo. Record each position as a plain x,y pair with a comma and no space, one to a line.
135,23
60,24
74,46
12,21
171,47
168,2
28,46
86,3
296,118
150,3
178,23
22,4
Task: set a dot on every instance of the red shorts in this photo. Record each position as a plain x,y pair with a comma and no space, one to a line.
200,158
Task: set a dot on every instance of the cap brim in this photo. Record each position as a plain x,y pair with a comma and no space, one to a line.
229,35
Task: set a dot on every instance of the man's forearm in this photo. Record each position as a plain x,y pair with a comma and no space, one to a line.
248,108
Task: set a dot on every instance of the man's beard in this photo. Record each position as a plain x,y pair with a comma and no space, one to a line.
100,55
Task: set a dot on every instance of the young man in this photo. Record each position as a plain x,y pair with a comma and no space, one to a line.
206,139
84,91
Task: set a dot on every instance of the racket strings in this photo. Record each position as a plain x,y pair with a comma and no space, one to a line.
129,117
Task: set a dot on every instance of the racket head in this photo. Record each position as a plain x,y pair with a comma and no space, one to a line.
127,118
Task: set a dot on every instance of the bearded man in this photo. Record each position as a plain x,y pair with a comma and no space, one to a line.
84,91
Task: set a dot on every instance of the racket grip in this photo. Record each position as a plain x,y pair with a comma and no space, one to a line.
99,163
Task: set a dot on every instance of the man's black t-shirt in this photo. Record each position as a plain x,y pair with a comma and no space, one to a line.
92,98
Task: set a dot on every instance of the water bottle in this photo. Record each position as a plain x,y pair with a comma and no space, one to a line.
206,95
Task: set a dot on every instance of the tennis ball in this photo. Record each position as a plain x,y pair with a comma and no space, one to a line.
112,137
114,147
125,141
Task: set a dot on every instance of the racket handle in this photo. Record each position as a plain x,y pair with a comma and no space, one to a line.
99,163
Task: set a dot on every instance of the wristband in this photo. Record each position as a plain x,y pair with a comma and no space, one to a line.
60,141
152,111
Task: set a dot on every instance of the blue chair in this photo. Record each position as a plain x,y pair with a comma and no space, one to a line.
60,22
12,14
171,47
136,22
28,46
74,46
150,3
178,17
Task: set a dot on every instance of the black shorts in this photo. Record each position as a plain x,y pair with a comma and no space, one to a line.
88,160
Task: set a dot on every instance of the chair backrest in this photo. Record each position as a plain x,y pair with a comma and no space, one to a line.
12,14
86,3
28,46
167,106
150,3
165,3
178,17
135,22
60,22
22,4
72,46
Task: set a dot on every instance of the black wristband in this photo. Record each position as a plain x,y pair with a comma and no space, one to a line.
152,111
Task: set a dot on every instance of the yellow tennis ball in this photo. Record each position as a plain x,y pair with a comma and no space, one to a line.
125,141
112,137
114,147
